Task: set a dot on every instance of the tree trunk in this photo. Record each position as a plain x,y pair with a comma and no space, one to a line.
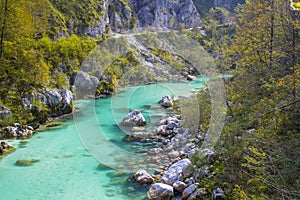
271,36
3,29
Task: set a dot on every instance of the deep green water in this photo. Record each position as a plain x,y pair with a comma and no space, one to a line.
67,170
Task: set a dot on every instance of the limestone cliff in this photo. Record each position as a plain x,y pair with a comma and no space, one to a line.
123,15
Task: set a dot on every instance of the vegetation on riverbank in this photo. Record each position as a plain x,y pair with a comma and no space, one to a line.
258,153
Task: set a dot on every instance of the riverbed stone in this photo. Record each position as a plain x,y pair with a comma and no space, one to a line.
160,191
179,186
137,129
143,177
26,163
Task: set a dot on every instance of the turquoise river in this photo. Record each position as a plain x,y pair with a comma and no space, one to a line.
66,169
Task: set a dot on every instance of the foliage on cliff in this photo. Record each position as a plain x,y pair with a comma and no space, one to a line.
30,59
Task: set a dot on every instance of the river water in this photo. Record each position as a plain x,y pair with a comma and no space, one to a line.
66,169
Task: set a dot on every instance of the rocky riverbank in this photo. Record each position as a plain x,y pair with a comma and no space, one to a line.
178,177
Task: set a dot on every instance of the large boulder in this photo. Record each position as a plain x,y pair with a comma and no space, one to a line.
85,85
179,186
134,118
166,101
160,191
174,172
143,177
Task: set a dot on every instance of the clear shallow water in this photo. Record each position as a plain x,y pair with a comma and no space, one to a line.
66,169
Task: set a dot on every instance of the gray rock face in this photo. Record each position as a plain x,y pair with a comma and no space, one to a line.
143,177
98,28
160,191
117,16
174,172
59,101
125,15
85,85
120,16
134,118
5,113
166,13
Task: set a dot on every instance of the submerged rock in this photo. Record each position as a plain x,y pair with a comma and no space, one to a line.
143,177
137,129
134,118
160,191
26,163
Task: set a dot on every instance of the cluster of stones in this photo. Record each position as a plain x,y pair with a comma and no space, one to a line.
179,178
169,126
16,131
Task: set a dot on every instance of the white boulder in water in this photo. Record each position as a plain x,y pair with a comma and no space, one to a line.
134,118
166,101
